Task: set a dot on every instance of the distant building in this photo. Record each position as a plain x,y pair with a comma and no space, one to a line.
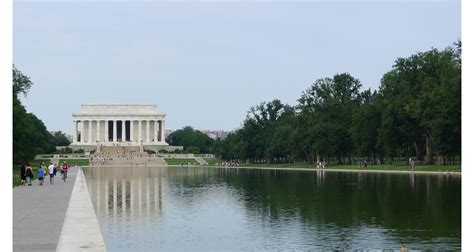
68,136
52,132
168,132
214,134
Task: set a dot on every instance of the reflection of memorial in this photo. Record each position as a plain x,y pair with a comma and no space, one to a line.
125,193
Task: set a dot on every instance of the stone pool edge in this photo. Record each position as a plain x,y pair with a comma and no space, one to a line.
81,230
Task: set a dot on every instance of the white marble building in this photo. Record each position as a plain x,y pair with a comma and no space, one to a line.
118,125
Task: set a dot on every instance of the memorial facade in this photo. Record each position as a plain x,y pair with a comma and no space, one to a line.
118,125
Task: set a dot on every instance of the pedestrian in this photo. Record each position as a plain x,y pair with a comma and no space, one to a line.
411,162
29,174
51,173
64,169
23,174
40,175
55,169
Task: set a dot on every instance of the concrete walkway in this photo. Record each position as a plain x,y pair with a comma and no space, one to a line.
38,213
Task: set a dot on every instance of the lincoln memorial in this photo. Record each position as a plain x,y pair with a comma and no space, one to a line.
118,125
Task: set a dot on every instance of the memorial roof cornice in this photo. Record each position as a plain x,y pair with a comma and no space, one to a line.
118,113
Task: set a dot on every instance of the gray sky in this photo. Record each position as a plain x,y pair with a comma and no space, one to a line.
206,64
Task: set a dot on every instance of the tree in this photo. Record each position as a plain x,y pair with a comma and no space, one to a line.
415,111
366,120
423,94
30,136
60,139
194,140
327,111
21,83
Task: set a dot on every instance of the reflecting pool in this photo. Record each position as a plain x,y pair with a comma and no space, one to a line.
215,209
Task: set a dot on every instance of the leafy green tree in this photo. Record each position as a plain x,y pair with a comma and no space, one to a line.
416,111
193,141
366,119
422,94
60,139
327,111
30,136
266,128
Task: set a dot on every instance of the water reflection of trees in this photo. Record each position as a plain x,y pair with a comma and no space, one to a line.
415,205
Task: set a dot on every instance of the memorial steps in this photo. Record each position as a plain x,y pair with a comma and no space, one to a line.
111,149
120,156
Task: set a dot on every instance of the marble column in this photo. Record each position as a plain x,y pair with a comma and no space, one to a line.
162,130
155,131
160,122
106,131
123,132
115,131
98,131
89,130
147,138
82,131
140,131
74,131
132,137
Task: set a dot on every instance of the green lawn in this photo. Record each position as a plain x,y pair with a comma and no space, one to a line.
16,175
291,165
37,162
79,162
385,167
212,161
181,161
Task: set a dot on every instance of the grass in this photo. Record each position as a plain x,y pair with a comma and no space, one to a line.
212,161
79,162
16,175
289,165
181,161
383,167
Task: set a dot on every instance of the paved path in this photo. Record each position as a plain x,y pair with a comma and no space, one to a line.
38,213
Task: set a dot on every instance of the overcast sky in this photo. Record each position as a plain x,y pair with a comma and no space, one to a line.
206,64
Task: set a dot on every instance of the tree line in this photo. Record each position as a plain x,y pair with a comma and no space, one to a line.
30,136
416,112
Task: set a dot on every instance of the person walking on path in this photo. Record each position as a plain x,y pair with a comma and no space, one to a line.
411,162
64,170
40,175
29,174
51,173
23,174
